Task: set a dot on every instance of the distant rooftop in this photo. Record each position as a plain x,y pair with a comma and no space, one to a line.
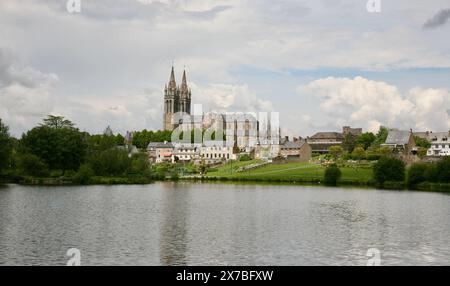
398,137
327,135
293,144
152,145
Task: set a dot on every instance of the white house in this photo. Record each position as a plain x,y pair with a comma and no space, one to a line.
216,151
186,152
440,144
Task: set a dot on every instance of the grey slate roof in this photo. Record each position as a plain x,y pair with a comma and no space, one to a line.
293,144
398,137
153,145
328,135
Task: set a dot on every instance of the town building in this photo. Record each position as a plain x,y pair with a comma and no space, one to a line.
440,143
354,131
186,153
402,143
297,150
160,152
213,152
322,141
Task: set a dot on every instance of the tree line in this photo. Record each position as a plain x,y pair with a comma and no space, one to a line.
57,149
368,146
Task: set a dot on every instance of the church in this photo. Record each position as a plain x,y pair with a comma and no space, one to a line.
243,130
177,99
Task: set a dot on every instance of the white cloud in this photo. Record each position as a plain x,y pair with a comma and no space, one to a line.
369,104
227,97
25,94
122,47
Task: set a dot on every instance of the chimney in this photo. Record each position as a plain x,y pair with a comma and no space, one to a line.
286,138
295,139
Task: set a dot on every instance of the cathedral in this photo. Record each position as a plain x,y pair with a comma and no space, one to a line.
177,99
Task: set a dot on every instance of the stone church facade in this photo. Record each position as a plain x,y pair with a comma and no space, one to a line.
177,99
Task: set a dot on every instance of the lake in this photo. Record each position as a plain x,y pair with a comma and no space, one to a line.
186,223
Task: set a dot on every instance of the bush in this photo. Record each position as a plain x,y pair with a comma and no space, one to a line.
388,169
332,175
416,175
112,162
174,176
245,157
431,173
84,175
358,153
373,156
32,165
443,170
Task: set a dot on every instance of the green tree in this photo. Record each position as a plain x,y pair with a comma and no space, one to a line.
381,136
140,165
99,142
365,140
332,175
336,151
422,142
388,169
416,174
359,153
57,143
384,151
422,152
84,174
32,165
120,140
111,162
443,170
5,146
349,143
57,122
431,173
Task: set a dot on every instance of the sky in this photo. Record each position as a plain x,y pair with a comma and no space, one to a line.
319,64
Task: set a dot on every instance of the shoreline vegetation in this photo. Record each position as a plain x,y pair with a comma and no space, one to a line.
301,174
56,153
425,186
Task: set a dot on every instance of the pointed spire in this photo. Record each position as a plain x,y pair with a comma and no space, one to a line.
172,83
184,87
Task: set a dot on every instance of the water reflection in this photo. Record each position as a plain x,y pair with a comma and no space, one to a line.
173,227
222,224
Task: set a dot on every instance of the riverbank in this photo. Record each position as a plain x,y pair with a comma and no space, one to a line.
400,186
67,181
424,187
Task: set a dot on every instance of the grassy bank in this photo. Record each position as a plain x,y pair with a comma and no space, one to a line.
289,172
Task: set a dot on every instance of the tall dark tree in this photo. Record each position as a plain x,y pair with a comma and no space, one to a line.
365,140
349,143
57,122
381,136
57,142
5,146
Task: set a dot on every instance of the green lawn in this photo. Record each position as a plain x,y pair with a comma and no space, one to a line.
291,171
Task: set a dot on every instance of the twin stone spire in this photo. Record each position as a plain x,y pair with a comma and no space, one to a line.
172,87
176,99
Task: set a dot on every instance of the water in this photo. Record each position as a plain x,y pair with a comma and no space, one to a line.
222,224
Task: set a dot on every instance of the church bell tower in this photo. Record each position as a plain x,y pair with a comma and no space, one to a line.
176,99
